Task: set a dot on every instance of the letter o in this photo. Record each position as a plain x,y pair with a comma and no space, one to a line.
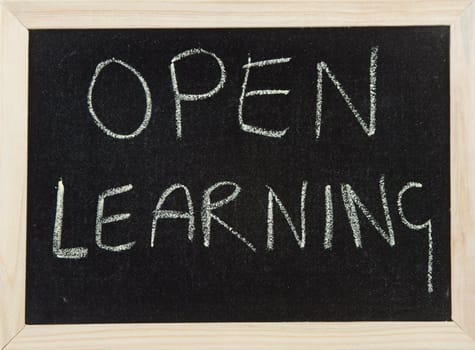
148,99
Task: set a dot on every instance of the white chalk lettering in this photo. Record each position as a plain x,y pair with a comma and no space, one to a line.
272,196
352,201
369,128
251,128
101,220
328,237
426,225
179,96
63,253
207,213
159,213
148,100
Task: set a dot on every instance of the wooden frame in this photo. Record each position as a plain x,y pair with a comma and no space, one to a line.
17,16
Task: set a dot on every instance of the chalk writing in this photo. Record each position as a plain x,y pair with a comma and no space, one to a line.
148,100
426,225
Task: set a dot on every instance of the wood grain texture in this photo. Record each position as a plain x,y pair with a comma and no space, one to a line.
463,170
270,13
13,148
275,336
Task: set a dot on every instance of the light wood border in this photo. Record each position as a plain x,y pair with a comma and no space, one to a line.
16,17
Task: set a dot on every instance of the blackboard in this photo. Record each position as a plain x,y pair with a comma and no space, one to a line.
196,175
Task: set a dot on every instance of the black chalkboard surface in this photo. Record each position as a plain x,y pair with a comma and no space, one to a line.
238,175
